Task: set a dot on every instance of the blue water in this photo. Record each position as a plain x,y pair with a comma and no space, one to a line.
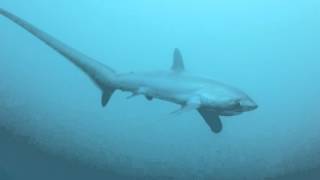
52,125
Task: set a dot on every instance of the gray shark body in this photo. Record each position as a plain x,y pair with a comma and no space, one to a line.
210,98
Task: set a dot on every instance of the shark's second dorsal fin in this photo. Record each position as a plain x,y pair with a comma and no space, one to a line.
177,65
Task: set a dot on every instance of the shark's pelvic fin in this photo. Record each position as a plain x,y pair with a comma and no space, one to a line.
148,97
177,65
212,119
193,104
132,95
99,73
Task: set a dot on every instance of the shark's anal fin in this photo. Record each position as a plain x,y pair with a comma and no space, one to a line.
177,65
106,95
212,119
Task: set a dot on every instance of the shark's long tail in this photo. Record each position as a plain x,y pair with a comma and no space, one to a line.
103,76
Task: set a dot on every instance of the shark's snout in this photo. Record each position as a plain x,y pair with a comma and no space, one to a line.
248,105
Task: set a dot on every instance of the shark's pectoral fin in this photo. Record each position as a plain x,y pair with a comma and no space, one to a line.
212,119
106,95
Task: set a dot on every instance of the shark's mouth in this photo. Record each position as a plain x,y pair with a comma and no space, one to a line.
230,113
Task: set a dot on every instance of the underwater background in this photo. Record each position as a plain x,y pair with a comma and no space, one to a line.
52,125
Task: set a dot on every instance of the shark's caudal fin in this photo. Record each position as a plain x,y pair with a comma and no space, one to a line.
177,65
100,74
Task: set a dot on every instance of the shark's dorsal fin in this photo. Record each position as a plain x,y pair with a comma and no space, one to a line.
177,65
